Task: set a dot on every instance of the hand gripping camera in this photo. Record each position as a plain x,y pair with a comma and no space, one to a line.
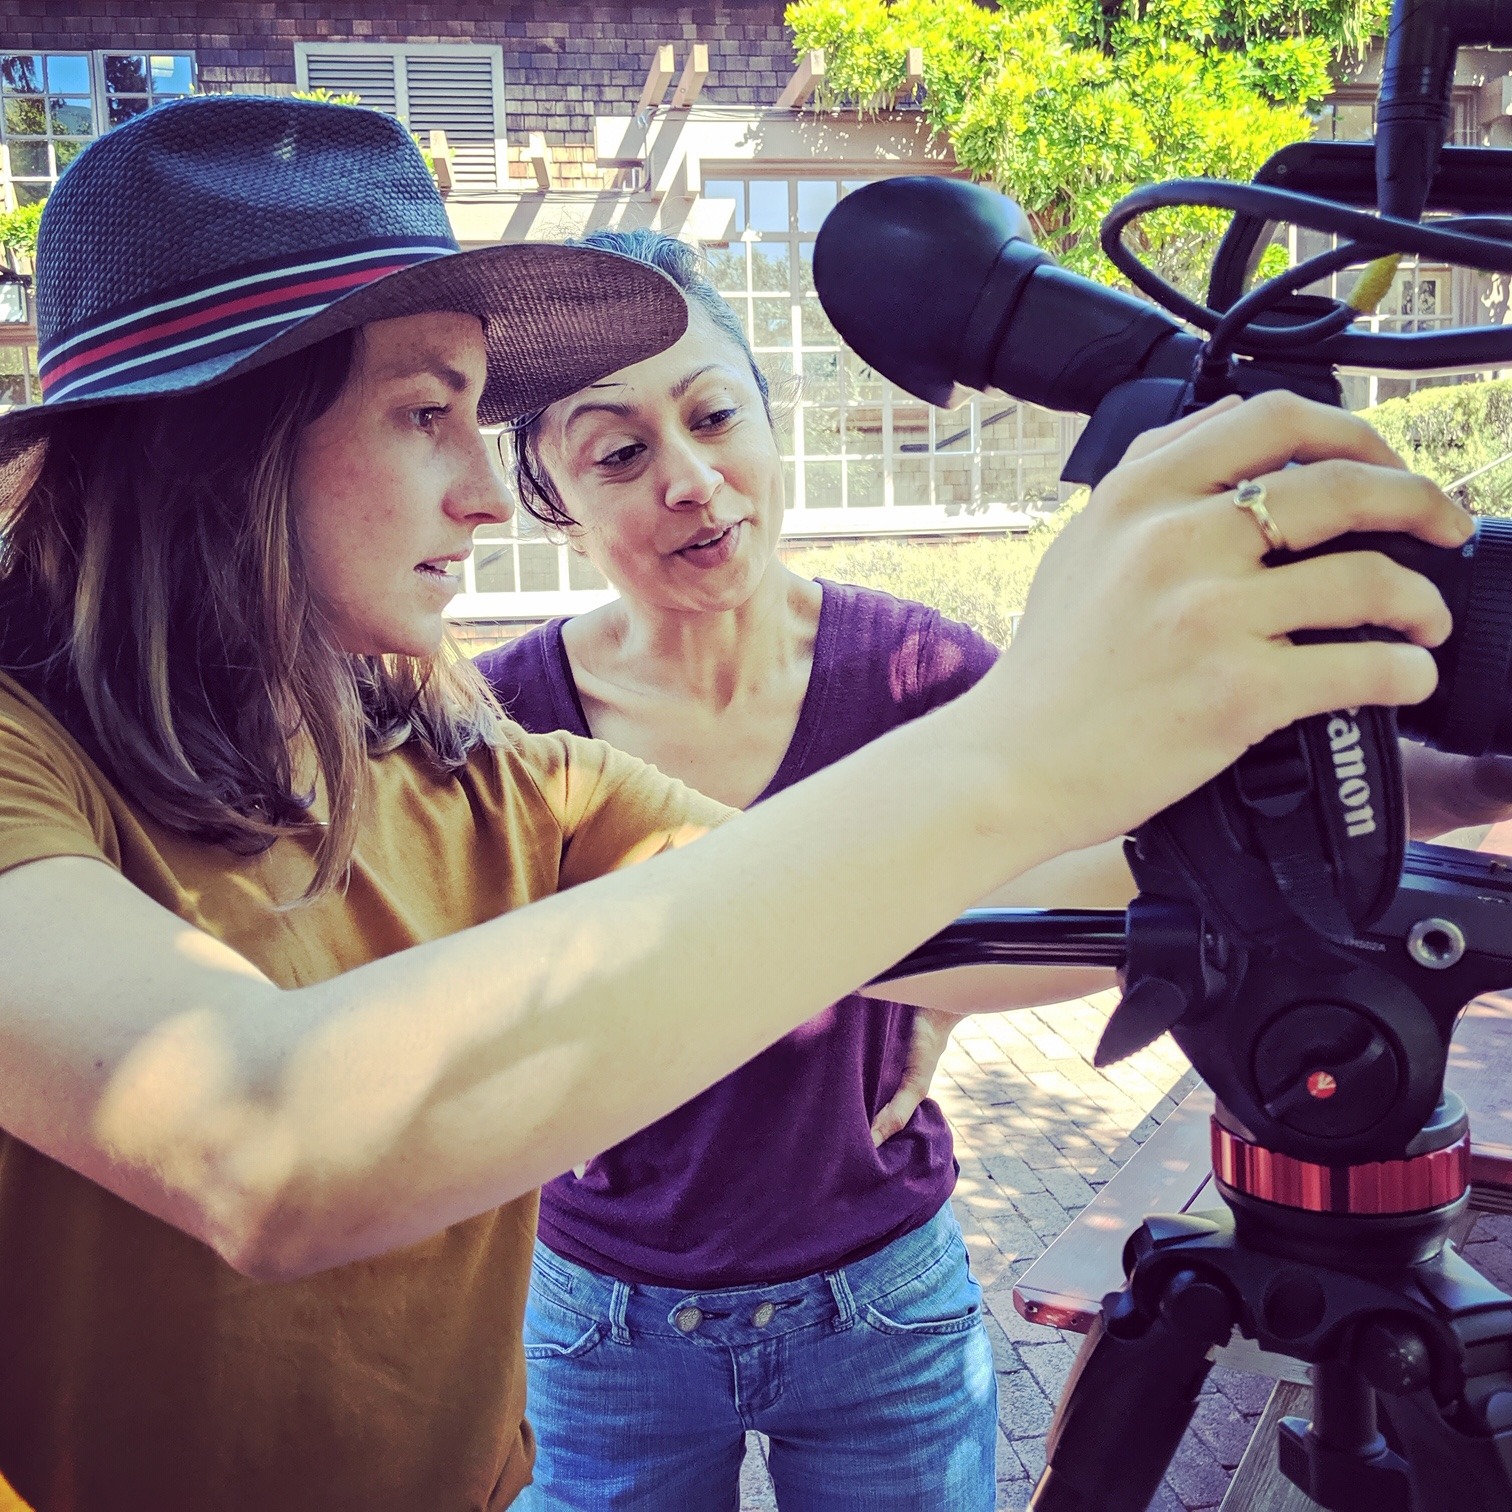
1309,962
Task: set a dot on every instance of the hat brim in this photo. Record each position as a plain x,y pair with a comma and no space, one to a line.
556,318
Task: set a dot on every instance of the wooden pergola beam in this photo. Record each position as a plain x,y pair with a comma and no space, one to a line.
658,76
806,78
539,157
695,72
913,71
441,162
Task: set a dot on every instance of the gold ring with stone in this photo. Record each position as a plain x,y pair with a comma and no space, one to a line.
1250,497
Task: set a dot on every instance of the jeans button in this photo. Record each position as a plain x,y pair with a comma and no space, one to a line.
763,1315
687,1319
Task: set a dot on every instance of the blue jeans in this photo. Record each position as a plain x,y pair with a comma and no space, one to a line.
874,1384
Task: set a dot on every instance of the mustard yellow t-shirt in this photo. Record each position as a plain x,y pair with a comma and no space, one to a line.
138,1373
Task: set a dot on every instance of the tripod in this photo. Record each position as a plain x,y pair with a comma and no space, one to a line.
1342,1163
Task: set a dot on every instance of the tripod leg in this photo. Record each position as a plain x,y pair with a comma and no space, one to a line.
1130,1397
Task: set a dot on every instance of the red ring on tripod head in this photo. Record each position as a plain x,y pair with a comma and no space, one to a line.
1382,1186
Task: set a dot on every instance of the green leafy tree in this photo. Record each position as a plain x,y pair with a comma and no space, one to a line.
1068,104
18,232
1454,432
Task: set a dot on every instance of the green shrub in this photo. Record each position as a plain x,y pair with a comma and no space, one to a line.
980,581
1450,431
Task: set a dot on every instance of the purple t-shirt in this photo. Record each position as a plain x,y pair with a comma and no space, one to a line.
771,1174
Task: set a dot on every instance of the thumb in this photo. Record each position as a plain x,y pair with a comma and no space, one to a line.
894,1117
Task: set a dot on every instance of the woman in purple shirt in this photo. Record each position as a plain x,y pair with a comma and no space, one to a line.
758,1259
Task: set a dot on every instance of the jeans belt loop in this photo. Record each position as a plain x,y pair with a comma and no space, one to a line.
619,1302
845,1304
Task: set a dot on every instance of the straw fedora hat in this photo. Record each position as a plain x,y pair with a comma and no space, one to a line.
218,233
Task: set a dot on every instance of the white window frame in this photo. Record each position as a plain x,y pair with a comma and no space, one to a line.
469,50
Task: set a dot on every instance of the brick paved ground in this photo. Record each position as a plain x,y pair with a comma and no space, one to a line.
1038,1131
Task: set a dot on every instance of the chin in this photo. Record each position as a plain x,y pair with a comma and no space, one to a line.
419,641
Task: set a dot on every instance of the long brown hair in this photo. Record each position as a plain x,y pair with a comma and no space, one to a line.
151,557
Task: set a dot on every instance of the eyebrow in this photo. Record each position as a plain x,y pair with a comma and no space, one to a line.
608,407
454,379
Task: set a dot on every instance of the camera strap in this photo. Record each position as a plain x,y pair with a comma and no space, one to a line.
1301,841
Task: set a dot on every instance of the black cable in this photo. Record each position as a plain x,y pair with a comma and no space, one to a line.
1454,240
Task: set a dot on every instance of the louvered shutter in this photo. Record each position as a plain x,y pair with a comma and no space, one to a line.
348,70
451,89
456,95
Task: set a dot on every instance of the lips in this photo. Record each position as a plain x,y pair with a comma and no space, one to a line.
440,567
712,548
709,541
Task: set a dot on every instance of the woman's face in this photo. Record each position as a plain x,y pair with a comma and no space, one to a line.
671,471
390,482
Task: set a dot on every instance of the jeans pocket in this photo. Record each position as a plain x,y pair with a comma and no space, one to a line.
556,1332
943,1299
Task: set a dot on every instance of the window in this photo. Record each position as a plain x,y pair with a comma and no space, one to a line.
857,442
458,89
53,104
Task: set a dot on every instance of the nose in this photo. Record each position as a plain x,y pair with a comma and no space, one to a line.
689,480
480,494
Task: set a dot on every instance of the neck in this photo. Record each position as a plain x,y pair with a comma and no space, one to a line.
714,656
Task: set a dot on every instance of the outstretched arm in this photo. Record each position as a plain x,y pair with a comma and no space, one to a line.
302,1128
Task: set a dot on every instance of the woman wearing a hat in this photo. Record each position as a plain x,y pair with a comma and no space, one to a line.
283,1055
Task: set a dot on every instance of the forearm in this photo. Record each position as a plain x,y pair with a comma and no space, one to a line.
1448,792
1097,877
299,1129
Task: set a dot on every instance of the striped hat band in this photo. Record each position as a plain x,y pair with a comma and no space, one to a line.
228,315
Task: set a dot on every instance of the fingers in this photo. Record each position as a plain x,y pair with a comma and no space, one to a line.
1258,437
893,1119
1314,504
1350,674
1162,435
1349,589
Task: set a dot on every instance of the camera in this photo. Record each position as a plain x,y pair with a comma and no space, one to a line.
1309,962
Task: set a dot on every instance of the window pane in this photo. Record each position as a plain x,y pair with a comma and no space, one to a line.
540,571
863,432
863,484
728,189
769,266
172,73
120,109
847,186
953,483
12,375
25,118
821,431
815,201
817,330
727,266
910,428
821,488
806,267
862,383
911,481
67,75
21,72
29,160
494,569
30,194
772,322
769,204
70,117
66,152
126,74
821,377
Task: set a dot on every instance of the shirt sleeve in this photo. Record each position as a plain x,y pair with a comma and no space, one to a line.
952,658
613,810
50,804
